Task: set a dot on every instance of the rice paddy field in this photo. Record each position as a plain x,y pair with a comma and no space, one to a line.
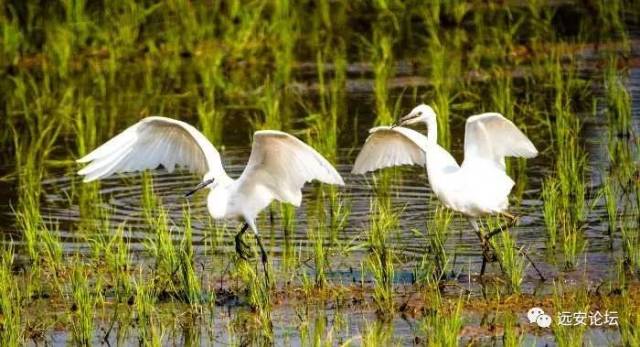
129,260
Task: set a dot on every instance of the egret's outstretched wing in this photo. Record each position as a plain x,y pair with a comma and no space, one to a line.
492,137
387,146
152,142
281,164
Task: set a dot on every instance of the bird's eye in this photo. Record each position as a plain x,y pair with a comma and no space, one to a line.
420,113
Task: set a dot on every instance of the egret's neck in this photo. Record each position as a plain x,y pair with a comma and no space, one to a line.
432,130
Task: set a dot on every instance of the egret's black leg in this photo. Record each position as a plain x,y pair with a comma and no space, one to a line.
488,255
493,233
241,246
513,221
271,218
526,255
263,255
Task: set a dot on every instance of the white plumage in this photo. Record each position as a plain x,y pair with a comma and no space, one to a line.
278,166
480,185
390,146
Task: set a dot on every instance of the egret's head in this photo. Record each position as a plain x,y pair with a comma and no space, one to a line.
207,180
420,113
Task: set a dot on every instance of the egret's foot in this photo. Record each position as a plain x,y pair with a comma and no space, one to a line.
242,248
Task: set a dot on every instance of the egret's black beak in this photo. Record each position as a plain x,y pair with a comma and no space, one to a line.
406,118
198,187
401,120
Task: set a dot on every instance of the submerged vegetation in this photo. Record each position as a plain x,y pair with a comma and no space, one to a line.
128,260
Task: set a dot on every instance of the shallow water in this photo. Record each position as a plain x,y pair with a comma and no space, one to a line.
412,200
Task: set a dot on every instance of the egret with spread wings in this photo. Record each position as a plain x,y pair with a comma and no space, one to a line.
278,167
480,186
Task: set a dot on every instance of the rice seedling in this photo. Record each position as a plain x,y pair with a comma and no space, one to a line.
437,235
317,234
150,331
443,326
161,248
576,301
630,248
611,204
11,329
511,260
573,244
511,336
610,19
258,298
442,71
382,57
377,334
85,297
13,40
623,167
270,103
189,281
74,73
628,320
381,257
618,101
550,196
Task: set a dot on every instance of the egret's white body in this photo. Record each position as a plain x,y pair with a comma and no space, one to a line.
479,186
278,166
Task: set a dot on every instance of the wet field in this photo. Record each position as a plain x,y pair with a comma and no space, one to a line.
129,260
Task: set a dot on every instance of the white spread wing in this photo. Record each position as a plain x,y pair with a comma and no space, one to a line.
152,142
281,163
387,146
492,137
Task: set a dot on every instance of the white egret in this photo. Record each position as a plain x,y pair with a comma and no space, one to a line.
478,187
278,167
